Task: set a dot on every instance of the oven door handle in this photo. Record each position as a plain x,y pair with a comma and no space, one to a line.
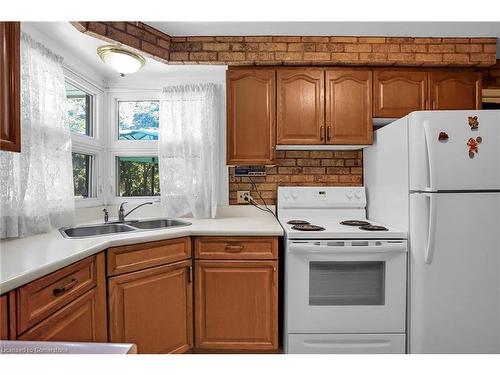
303,248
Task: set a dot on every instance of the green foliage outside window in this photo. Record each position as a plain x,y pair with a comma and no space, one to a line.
138,176
81,174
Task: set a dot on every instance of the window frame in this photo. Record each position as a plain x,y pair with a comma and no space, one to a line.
93,144
117,148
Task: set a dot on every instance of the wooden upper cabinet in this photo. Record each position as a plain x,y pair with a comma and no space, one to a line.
349,106
455,90
4,318
251,128
398,92
300,102
236,305
152,308
10,77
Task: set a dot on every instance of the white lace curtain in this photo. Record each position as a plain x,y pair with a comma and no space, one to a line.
36,186
188,149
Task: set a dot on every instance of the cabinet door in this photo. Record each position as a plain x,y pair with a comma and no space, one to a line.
10,123
349,107
4,320
455,90
301,109
398,92
251,128
77,321
152,308
236,305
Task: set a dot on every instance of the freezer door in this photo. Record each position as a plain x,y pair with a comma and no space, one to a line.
454,273
450,164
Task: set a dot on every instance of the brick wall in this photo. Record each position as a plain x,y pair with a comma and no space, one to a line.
296,50
302,168
491,76
136,35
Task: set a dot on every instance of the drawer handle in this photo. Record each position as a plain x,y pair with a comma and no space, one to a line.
234,248
62,289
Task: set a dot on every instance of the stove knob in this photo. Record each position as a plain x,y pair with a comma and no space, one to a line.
286,196
357,195
348,195
294,195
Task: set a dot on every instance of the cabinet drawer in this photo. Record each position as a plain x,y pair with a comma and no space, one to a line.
130,258
42,297
78,322
236,248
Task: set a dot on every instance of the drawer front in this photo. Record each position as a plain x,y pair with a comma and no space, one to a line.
130,258
42,297
346,344
77,322
236,248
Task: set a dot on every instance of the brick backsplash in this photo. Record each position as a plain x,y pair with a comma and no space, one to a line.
296,50
302,168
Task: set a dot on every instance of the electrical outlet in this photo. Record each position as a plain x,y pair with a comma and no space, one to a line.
241,195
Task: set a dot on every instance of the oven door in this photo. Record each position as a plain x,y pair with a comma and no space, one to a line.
346,286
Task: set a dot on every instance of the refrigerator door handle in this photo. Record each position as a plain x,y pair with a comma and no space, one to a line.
430,166
431,229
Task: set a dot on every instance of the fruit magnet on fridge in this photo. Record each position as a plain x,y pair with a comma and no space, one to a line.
473,123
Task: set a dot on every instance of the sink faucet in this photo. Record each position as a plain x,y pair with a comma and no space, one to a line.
121,212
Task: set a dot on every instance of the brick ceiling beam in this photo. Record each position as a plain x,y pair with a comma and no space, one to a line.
296,50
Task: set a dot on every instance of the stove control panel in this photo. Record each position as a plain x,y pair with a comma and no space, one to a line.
322,197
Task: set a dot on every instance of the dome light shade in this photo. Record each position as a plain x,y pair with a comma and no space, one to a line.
120,59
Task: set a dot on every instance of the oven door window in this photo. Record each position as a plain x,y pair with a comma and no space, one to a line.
346,283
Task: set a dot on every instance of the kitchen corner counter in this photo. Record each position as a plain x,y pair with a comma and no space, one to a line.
26,259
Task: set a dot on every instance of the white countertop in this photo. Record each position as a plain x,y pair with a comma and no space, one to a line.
26,259
54,347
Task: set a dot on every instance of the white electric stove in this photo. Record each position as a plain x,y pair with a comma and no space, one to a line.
345,276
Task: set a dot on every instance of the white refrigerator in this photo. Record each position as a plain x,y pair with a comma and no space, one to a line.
437,175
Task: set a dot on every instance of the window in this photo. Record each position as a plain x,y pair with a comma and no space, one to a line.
82,175
138,120
79,110
137,176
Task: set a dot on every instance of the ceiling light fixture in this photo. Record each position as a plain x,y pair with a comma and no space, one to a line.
120,59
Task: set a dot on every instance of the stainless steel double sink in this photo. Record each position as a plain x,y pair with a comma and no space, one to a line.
120,227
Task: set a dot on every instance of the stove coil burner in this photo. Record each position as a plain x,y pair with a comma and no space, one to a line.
298,222
308,227
373,228
355,223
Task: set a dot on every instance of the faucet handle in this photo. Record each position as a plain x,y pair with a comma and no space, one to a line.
106,215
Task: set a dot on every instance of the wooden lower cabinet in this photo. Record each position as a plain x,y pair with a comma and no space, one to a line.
152,308
236,305
78,321
4,318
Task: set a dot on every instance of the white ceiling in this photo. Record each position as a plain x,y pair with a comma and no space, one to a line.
424,29
408,29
